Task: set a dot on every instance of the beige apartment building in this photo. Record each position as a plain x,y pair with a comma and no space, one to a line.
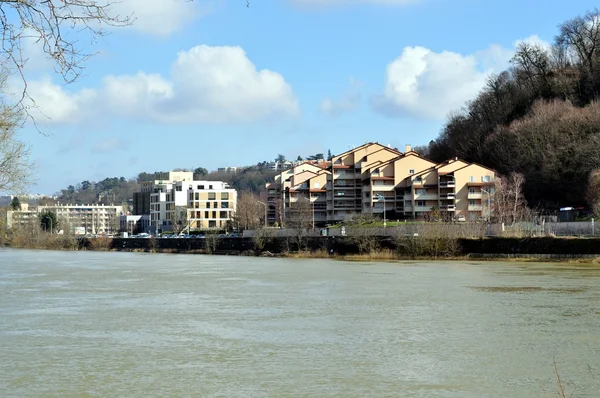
211,204
414,187
305,180
350,174
374,177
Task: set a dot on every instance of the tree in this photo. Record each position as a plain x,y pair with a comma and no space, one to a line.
15,204
249,212
200,172
299,158
15,168
55,27
316,156
179,219
48,221
593,191
299,219
280,158
329,155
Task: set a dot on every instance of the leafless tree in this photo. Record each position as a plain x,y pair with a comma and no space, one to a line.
179,219
299,220
581,37
249,212
509,205
593,191
15,167
56,27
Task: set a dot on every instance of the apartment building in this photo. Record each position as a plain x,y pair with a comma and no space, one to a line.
374,178
84,219
176,198
412,186
211,204
308,180
350,174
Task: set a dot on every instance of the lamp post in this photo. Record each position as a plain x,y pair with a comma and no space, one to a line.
381,197
264,204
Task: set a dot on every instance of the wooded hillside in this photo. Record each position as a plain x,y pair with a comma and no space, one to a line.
541,117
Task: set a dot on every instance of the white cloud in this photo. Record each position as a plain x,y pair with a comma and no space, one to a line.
157,17
349,102
429,85
206,85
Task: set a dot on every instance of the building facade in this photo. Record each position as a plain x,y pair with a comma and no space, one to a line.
373,179
291,186
179,202
84,219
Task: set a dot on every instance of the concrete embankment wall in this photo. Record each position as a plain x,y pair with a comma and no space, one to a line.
485,247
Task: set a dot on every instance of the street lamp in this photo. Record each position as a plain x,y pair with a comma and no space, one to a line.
381,197
264,204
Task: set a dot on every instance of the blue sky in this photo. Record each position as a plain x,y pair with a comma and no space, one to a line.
214,83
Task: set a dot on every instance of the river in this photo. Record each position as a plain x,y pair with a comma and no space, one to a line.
97,324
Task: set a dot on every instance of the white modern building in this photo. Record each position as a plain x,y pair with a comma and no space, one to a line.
205,204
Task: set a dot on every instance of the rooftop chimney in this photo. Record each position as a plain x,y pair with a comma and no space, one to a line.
408,148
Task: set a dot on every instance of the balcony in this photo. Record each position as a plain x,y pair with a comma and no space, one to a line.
447,184
385,188
448,208
475,208
426,197
447,196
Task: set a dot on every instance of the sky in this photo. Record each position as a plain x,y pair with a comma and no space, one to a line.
214,83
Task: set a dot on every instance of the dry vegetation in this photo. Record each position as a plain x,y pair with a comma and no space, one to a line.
33,237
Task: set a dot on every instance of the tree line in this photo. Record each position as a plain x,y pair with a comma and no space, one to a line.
539,118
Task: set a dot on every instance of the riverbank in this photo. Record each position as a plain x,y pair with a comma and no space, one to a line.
581,250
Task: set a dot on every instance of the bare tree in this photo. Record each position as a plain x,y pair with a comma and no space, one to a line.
55,27
249,212
299,220
593,191
509,205
179,218
15,167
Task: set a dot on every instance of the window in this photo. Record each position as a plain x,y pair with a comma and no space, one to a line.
206,214
223,214
224,205
472,190
471,179
418,179
197,196
216,205
200,186
224,195
214,214
421,203
472,202
178,188
411,171
212,224
212,196
421,191
210,187
487,178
